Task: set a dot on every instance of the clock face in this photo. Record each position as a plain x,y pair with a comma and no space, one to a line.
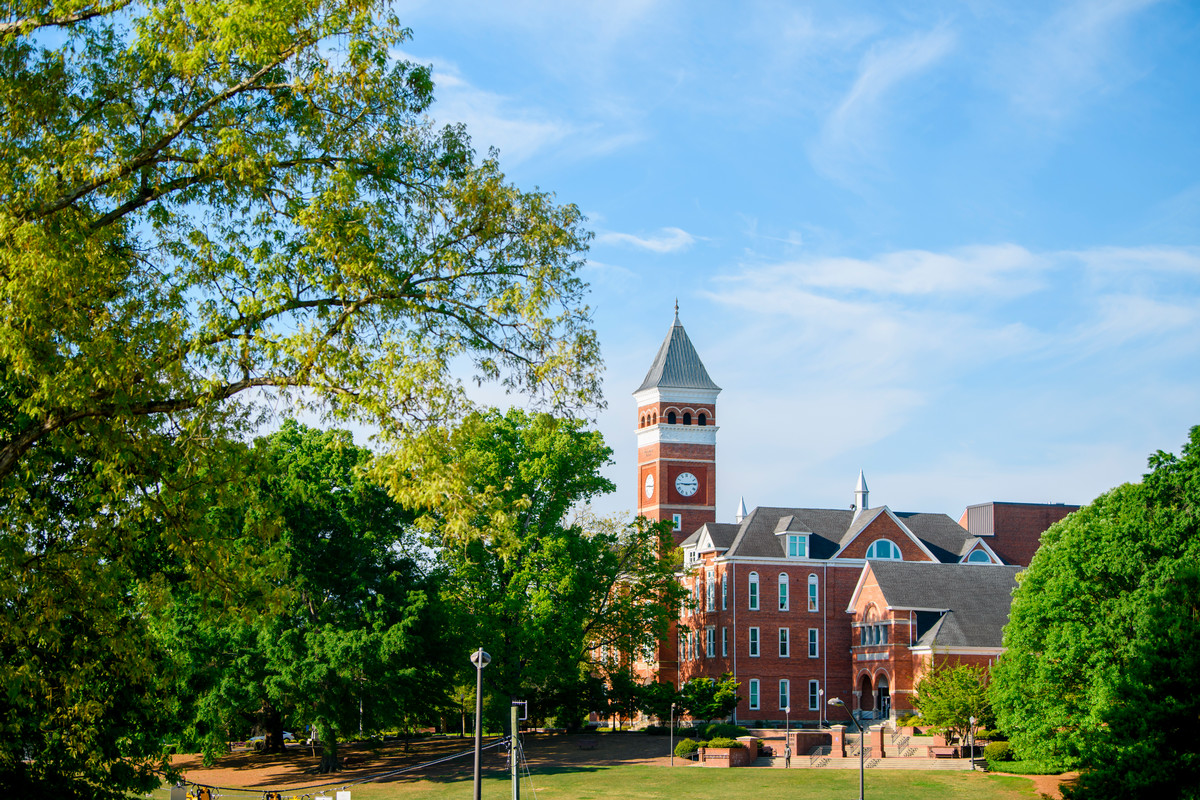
650,485
686,484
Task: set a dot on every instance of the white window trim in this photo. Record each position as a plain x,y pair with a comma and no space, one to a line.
710,642
895,547
724,642
785,591
785,643
753,599
755,695
785,693
814,597
754,643
814,695
814,638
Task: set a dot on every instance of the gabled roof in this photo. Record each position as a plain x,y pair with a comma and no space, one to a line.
677,364
832,528
717,535
977,596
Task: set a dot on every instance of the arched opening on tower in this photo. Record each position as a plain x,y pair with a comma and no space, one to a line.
670,417
687,418
701,419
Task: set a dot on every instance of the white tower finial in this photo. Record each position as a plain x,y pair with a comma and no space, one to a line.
860,494
741,512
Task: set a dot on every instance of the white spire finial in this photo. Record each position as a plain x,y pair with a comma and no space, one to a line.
741,512
676,310
860,494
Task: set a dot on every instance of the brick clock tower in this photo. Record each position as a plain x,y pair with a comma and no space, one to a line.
677,437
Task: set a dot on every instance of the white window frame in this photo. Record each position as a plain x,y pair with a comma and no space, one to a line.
753,592
710,589
724,642
785,643
784,594
814,643
814,594
710,642
872,551
754,694
724,592
785,694
797,545
754,643
677,521
985,558
814,695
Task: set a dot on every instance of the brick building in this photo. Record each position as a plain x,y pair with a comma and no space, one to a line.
781,597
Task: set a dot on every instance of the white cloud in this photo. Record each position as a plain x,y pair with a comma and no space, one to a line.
1072,56
669,240
854,129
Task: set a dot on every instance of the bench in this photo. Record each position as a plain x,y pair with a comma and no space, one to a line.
942,752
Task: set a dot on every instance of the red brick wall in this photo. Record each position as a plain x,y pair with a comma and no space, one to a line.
656,413
665,461
1019,529
884,527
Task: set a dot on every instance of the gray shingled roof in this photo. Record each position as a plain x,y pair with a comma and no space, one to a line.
833,528
677,364
978,597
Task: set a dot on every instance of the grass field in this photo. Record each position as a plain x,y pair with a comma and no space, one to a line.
649,782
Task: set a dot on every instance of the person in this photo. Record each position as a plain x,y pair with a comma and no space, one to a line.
787,755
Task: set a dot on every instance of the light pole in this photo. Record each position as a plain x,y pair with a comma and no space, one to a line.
972,744
862,745
820,708
672,734
480,659
787,736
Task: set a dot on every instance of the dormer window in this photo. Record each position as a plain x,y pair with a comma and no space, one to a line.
884,550
978,557
797,545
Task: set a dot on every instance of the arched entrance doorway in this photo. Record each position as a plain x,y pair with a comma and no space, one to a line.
866,699
883,698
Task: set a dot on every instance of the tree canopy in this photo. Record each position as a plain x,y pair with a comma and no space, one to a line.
543,592
951,695
1102,662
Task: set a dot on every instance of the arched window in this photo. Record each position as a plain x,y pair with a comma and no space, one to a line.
654,418
701,419
978,557
643,421
670,417
813,605
687,418
884,550
783,591
754,591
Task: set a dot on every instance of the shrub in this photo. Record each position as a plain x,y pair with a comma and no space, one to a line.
997,751
686,748
1025,768
724,730
725,742
907,721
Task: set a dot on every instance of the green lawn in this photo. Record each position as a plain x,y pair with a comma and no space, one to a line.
620,782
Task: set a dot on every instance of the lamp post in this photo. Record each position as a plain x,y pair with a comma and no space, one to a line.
972,745
787,736
480,659
820,708
672,734
862,745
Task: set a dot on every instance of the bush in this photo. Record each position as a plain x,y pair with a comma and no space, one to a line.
724,730
907,721
1025,768
686,748
725,742
998,751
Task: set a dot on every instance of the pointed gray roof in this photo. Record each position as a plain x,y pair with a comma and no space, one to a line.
677,364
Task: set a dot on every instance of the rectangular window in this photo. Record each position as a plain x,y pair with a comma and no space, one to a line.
797,546
710,590
814,643
754,694
724,642
724,594
754,642
812,592
678,520
783,593
814,696
710,642
784,694
783,642
753,592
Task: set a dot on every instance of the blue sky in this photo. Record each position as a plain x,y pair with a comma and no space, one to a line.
953,244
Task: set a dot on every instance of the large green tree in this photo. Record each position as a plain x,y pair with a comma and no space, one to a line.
204,205
1102,662
354,635
543,590
951,695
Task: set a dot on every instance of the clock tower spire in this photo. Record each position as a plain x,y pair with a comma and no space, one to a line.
677,436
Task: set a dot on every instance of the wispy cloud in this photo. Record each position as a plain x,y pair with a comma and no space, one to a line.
854,129
1073,55
668,240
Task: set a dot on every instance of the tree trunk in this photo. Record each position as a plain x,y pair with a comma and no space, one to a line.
329,749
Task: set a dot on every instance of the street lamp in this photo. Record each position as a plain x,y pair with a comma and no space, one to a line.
672,734
480,659
972,744
862,745
820,708
787,736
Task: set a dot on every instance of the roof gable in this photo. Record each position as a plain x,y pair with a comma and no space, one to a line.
677,364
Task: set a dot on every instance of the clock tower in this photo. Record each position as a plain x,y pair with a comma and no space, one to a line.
677,437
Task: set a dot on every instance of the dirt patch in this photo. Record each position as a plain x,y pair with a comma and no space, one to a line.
1050,786
296,768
